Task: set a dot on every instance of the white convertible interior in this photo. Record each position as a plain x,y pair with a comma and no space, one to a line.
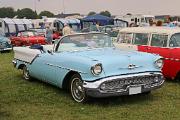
27,54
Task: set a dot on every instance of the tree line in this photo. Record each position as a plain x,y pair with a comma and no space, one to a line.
105,13
28,13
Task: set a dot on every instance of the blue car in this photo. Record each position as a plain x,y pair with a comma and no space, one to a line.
90,66
5,44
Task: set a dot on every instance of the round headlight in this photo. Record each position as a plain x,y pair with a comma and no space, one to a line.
97,69
159,63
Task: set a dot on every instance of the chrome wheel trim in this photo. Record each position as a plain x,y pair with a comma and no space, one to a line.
26,73
77,90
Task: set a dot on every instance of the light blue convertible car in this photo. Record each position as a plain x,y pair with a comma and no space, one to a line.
90,66
5,44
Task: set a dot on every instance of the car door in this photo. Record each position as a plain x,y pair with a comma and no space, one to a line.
158,45
45,68
48,66
174,45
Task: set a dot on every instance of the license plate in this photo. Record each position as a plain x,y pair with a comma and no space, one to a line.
134,90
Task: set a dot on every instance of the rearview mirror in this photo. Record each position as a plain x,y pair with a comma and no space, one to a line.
50,52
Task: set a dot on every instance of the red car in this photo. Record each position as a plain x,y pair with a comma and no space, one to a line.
27,38
56,35
164,41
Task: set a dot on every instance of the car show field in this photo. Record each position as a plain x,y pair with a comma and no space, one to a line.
89,60
20,99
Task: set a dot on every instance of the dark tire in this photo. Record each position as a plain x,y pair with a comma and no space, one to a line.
26,75
76,88
147,93
177,78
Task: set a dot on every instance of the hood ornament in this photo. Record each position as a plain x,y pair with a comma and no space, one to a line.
132,66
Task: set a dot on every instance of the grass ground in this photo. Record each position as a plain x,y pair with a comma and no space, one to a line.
23,100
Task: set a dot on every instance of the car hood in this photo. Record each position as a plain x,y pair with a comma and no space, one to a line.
116,61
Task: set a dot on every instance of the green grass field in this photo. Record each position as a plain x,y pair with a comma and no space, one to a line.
23,100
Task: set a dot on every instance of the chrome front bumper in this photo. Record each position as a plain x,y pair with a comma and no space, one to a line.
5,49
94,89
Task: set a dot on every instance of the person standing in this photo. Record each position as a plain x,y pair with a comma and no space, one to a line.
49,35
67,30
97,26
169,23
159,23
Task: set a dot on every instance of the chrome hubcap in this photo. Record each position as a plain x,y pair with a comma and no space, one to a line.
26,73
77,90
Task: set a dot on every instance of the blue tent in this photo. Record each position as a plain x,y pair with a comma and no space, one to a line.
103,20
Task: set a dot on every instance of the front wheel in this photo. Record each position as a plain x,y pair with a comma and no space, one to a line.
26,75
147,93
77,90
177,78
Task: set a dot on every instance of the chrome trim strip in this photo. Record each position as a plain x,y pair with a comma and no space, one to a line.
64,68
96,84
7,48
173,59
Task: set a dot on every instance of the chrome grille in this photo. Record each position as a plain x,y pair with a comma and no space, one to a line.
2,45
123,83
5,45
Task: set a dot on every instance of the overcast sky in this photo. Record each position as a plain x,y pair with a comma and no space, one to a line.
116,7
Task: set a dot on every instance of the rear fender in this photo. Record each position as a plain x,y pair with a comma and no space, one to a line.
20,64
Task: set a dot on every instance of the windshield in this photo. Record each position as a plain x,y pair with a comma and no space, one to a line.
81,42
29,34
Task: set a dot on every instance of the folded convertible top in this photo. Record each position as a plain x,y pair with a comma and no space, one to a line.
27,54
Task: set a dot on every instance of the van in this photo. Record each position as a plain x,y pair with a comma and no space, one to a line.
137,19
164,41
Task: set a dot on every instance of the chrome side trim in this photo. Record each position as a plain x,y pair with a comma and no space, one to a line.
7,48
96,84
58,66
173,59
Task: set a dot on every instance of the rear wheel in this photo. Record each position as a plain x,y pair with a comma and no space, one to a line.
177,78
77,90
26,75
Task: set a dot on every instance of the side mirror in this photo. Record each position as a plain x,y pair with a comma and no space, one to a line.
50,52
